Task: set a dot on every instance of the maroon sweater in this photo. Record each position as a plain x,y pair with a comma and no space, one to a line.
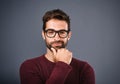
39,70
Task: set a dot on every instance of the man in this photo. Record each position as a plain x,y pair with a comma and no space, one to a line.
57,66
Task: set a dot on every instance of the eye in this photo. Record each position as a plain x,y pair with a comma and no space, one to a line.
62,32
50,31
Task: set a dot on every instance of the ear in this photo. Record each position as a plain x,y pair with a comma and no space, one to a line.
69,35
43,35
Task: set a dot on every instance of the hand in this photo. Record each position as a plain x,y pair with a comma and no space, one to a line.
63,55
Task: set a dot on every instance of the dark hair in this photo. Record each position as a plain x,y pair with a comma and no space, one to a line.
56,14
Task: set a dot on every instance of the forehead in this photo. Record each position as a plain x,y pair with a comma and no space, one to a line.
56,24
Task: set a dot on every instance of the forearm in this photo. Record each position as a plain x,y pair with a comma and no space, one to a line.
59,73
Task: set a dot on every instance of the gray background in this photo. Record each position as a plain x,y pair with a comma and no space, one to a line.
95,35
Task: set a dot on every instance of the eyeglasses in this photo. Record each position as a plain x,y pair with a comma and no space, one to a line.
52,33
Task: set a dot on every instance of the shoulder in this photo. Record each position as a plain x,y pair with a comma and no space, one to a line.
31,63
32,60
80,64
85,71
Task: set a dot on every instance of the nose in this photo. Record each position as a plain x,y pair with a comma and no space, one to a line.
57,37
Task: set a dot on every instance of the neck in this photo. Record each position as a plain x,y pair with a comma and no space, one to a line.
49,55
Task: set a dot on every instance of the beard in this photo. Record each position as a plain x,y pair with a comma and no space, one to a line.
56,44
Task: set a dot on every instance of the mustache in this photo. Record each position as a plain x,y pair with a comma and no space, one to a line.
57,42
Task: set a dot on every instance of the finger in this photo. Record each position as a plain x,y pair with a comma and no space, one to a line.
54,51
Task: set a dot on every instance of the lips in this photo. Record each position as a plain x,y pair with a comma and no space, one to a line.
57,44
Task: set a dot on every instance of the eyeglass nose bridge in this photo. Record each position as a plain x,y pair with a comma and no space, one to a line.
57,32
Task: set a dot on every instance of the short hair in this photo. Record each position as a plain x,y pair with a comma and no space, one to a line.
55,14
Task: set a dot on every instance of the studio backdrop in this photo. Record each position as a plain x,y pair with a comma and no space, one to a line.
95,26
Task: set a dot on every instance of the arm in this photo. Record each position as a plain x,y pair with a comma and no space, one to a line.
59,73
62,68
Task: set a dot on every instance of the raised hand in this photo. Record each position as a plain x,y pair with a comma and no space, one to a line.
62,54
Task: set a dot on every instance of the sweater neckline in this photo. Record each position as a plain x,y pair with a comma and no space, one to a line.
48,60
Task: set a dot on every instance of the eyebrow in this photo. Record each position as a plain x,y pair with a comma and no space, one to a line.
56,30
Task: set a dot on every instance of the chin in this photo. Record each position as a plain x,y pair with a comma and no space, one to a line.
58,47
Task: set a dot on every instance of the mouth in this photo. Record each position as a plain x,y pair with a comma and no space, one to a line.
58,44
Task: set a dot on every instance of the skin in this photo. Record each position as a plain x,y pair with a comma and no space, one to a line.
55,54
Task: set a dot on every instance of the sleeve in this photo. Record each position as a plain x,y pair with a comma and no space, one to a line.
88,76
29,73
59,73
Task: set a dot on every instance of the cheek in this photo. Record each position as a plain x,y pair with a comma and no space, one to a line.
65,40
48,40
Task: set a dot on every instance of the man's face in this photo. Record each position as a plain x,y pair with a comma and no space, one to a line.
56,42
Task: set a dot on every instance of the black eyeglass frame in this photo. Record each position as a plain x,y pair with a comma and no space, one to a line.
67,32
